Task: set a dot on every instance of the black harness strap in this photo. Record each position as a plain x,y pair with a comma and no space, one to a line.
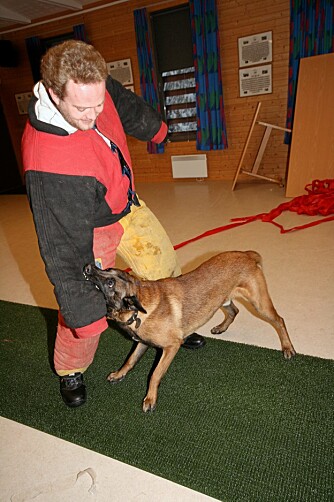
132,196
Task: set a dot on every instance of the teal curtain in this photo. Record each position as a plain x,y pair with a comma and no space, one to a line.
311,34
148,80
211,124
79,33
35,49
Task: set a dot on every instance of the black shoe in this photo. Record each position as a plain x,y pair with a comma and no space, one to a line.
73,390
194,341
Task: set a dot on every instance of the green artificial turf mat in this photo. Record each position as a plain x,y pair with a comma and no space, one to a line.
236,422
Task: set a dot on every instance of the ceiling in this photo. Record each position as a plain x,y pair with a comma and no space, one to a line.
20,13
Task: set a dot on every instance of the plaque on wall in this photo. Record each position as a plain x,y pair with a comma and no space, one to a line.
255,81
255,49
121,71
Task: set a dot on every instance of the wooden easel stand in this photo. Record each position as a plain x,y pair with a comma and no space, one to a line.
262,147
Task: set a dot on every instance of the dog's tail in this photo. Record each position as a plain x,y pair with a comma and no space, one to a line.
254,255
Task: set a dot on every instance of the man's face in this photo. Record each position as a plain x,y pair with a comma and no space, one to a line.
82,103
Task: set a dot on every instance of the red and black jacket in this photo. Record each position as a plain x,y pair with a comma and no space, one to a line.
76,183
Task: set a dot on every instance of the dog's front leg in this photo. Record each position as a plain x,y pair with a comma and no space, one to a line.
167,357
118,376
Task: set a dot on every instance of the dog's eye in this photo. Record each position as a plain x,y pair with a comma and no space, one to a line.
111,283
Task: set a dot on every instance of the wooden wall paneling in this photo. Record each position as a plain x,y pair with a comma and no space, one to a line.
312,145
111,30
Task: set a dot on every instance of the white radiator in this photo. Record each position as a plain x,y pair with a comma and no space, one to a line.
189,166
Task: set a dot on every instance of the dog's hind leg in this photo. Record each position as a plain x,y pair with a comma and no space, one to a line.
167,357
231,311
277,321
256,292
118,376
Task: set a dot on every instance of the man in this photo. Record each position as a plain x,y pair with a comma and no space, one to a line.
81,190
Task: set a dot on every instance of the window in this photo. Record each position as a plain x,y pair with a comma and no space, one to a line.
172,41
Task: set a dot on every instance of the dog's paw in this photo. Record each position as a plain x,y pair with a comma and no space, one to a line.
115,377
221,328
289,353
148,405
216,330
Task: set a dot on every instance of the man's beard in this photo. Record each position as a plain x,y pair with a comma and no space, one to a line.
82,125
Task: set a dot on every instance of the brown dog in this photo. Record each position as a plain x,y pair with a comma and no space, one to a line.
163,313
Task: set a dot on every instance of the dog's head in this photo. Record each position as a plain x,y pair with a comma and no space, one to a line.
118,287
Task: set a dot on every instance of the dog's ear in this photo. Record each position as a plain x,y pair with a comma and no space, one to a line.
133,301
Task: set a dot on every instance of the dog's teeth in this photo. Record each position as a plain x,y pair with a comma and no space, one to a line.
97,287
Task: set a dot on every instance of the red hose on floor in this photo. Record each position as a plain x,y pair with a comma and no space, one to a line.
318,201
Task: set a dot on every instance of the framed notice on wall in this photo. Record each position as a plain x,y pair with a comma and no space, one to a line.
255,81
255,49
122,71
22,102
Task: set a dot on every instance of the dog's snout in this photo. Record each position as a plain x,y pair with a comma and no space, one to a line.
87,269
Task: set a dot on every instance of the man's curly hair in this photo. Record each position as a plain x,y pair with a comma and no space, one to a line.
72,60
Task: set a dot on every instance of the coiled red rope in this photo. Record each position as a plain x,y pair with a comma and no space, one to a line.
319,200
